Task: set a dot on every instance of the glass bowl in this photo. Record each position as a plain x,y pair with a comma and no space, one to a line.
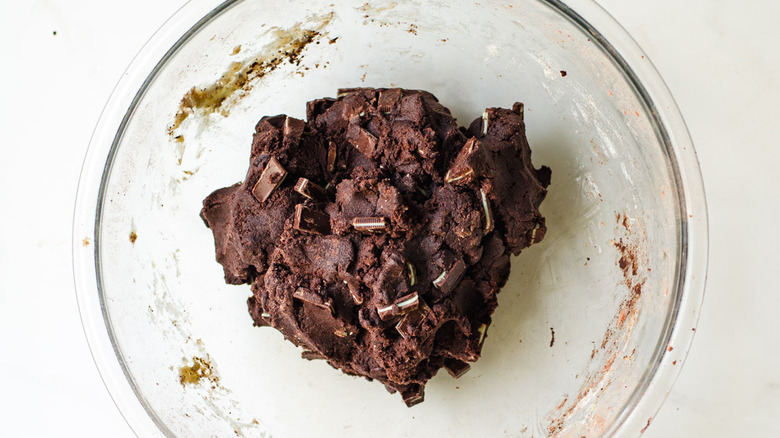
595,321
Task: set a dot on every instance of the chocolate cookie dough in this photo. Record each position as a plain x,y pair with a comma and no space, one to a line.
376,234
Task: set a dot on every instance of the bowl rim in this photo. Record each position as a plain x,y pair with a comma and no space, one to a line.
665,367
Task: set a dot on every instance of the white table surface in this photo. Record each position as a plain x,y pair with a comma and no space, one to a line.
720,58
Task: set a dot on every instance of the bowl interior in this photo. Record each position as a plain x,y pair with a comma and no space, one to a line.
583,318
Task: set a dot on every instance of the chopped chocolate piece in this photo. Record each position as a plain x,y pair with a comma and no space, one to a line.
310,297
456,368
316,107
488,210
469,164
269,180
388,99
537,234
392,269
412,273
401,306
311,355
276,121
370,224
482,333
449,278
407,326
354,290
362,140
332,151
408,303
458,174
387,312
293,128
519,109
310,190
341,92
311,221
414,395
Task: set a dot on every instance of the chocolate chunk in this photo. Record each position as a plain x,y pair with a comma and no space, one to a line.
488,211
361,139
449,278
293,129
454,175
411,273
407,326
519,109
310,297
331,158
414,395
370,224
311,355
401,306
537,234
485,121
482,333
311,221
354,290
388,99
276,121
470,163
316,107
270,179
456,368
310,190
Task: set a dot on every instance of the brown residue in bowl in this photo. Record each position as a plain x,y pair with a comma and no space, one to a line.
552,336
646,425
631,256
368,8
133,237
192,374
287,46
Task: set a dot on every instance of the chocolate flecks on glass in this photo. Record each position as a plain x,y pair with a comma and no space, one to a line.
385,247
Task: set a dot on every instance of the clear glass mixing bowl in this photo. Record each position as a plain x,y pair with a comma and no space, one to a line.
595,321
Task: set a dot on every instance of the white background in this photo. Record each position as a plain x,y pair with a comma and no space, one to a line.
720,58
